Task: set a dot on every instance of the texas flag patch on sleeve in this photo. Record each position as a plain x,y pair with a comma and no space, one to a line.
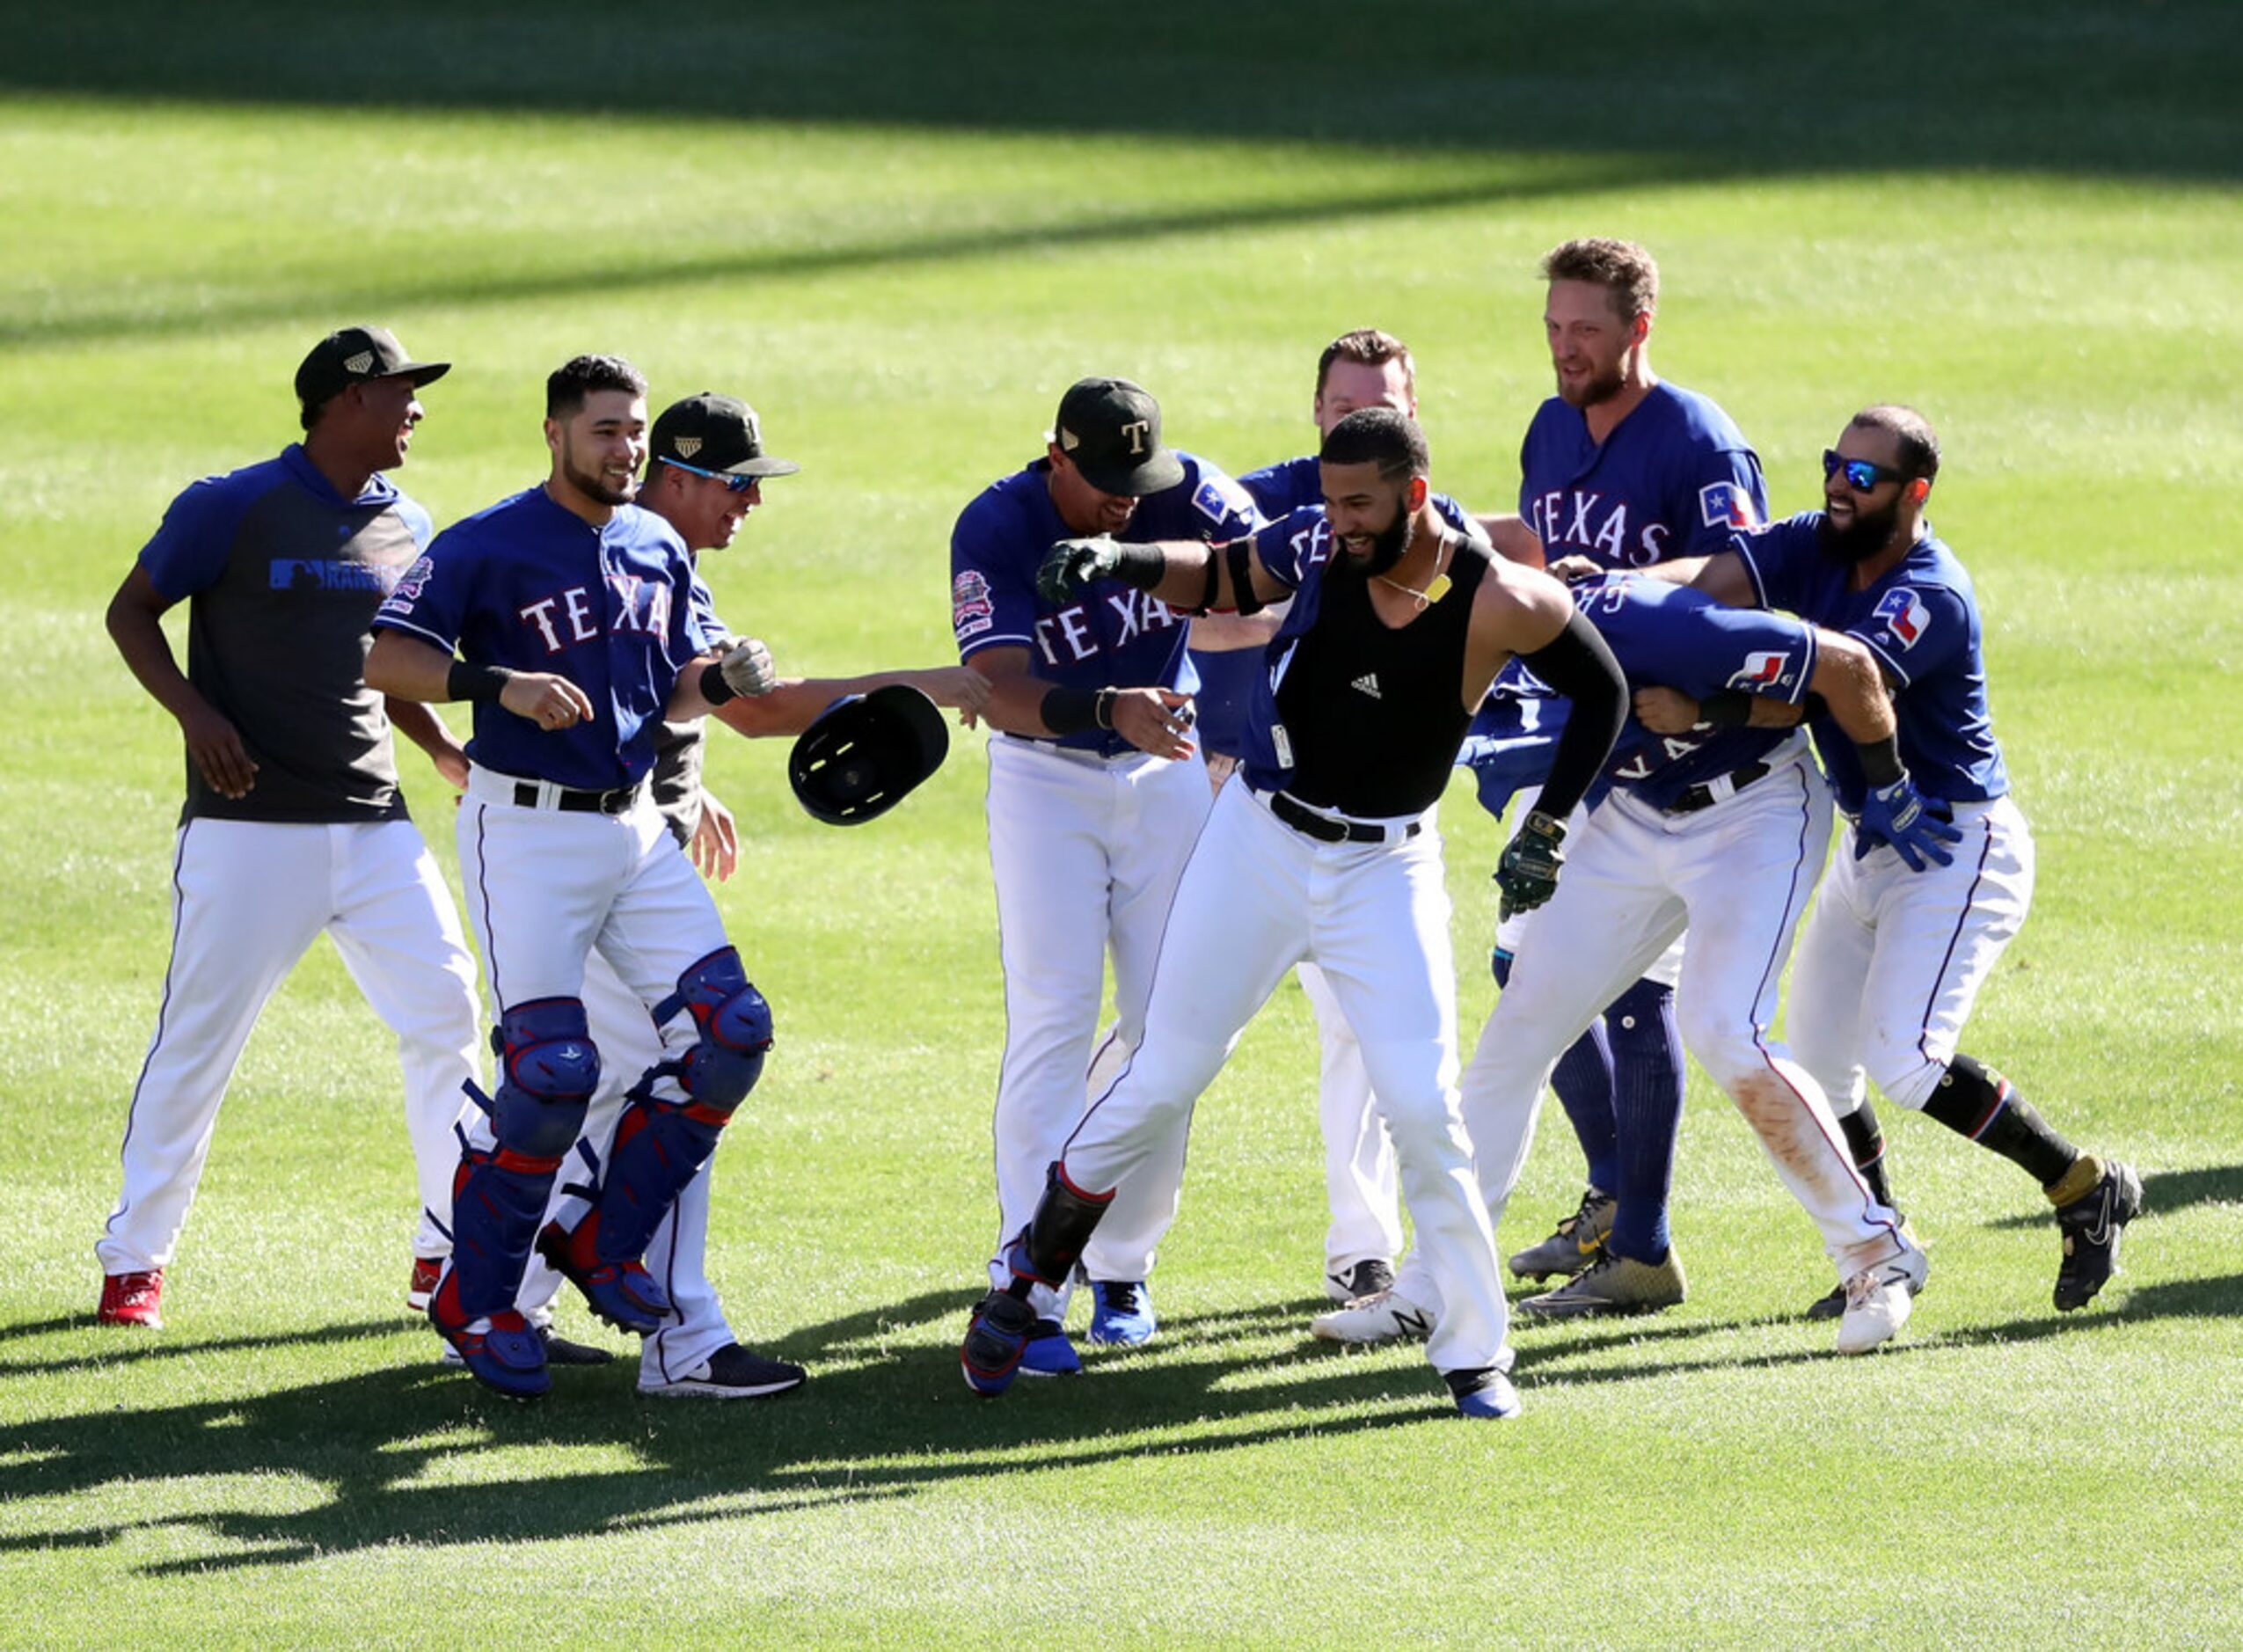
1726,505
1904,616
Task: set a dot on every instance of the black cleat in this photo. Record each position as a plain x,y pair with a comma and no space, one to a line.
2090,1226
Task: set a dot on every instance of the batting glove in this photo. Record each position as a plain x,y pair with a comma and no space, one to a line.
1896,815
1072,564
747,669
1528,872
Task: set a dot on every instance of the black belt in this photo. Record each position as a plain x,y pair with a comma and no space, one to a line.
1691,799
617,801
1325,830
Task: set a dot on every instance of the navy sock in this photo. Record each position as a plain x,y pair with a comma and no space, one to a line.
1648,1072
1583,1081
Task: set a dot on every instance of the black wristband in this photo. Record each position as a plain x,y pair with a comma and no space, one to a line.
1879,761
1071,711
1142,565
714,689
1102,706
1726,708
1206,591
1238,554
468,680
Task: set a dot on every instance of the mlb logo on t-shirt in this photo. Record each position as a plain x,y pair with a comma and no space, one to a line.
1725,505
1905,616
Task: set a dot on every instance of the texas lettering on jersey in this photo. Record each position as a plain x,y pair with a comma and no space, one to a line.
1569,520
1074,634
568,618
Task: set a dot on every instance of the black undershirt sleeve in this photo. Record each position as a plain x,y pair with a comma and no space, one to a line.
1578,664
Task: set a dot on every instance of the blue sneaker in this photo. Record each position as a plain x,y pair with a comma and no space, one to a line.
1483,1395
507,1356
624,1294
1048,1353
1122,1312
997,1337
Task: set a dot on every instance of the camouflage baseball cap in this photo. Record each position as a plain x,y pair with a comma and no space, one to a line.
357,355
1109,430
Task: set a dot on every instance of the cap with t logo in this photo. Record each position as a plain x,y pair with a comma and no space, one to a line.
1109,430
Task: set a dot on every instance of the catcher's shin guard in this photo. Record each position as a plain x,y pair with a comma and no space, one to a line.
1048,1247
660,1144
547,1072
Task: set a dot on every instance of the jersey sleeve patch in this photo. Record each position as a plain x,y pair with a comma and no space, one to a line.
1901,619
971,611
1726,505
1225,504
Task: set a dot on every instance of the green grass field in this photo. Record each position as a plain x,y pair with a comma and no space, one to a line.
902,233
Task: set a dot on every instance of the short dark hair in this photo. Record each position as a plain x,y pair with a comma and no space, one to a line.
1369,347
313,409
569,383
1380,436
1622,268
1920,444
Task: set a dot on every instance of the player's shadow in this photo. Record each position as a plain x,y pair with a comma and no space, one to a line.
132,1345
885,1416
2163,1192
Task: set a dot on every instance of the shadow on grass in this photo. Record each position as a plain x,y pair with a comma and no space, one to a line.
1751,87
2163,1192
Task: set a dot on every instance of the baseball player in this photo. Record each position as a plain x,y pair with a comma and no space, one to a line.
574,616
1903,939
1723,829
1092,805
1329,850
1625,470
293,822
1365,367
705,473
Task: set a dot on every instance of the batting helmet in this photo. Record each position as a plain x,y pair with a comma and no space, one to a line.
866,752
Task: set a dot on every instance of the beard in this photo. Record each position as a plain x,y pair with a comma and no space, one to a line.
593,485
1386,548
1597,387
1869,533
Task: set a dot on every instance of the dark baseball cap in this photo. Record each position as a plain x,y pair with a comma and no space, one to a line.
357,355
1110,430
709,432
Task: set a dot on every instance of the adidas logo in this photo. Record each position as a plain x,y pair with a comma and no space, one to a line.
1367,684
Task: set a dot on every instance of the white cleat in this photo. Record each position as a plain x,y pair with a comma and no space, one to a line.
1878,1303
1382,1317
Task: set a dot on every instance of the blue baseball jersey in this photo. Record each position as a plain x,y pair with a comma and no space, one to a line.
1673,636
1112,635
1674,478
282,575
531,586
1920,618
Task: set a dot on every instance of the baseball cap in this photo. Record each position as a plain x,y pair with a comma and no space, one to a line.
709,432
1110,429
357,355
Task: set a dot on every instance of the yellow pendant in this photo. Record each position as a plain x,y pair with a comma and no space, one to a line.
1438,590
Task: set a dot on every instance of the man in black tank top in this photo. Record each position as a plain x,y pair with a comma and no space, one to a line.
1329,852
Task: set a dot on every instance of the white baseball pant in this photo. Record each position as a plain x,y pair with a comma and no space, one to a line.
1086,851
1891,961
1256,898
248,897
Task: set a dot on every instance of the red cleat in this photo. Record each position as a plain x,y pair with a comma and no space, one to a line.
132,1299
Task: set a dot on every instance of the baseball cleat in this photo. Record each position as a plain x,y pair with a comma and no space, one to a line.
1877,1304
1048,1353
503,1352
624,1294
1382,1317
730,1373
1366,1278
1614,1283
132,1299
1483,1395
1919,1274
1122,1312
2091,1226
1577,1242
996,1339
558,1351
425,1271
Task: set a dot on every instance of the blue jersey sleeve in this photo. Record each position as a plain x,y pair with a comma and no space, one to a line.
192,546
1728,494
1281,489
430,599
992,578
1916,630
1221,510
1289,546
